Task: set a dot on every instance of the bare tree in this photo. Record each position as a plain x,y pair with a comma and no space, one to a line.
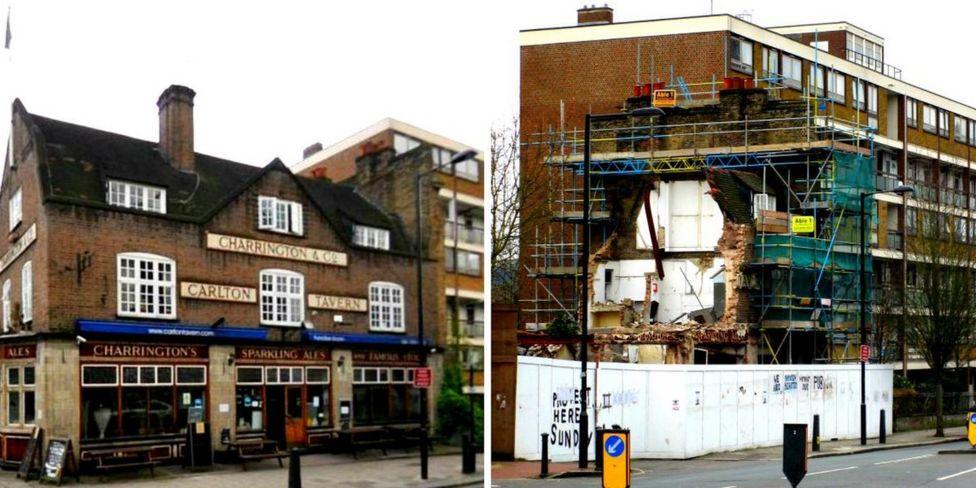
518,193
940,314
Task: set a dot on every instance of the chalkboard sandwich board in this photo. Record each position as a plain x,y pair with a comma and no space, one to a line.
59,455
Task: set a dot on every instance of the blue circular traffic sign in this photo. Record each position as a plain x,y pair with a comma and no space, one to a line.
614,445
972,419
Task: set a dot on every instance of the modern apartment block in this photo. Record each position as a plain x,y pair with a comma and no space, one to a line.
694,252
381,161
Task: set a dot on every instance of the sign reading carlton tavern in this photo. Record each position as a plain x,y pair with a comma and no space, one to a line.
143,351
385,357
330,302
282,354
275,250
223,293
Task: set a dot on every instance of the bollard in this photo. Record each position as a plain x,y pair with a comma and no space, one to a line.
598,448
881,432
294,469
467,454
816,433
545,456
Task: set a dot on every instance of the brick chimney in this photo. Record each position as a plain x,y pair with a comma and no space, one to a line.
176,126
312,149
593,15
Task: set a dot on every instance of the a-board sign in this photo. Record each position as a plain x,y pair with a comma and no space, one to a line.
59,456
971,428
665,98
616,458
33,447
803,224
794,452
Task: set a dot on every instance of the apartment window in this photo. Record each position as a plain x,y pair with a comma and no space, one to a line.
770,59
859,95
943,123
911,112
402,143
960,124
792,72
7,308
386,307
20,395
371,237
762,201
279,215
816,82
972,132
864,52
26,293
836,87
872,99
139,197
282,297
740,55
928,118
145,286
16,209
468,263
911,221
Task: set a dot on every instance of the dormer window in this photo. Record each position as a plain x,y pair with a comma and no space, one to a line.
371,237
279,215
140,197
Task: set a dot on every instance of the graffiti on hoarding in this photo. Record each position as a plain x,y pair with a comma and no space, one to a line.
566,404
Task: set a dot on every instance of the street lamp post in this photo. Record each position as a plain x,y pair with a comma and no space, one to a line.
901,189
424,421
584,261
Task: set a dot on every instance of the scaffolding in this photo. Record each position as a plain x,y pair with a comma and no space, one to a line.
797,283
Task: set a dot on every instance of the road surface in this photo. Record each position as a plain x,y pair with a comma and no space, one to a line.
916,466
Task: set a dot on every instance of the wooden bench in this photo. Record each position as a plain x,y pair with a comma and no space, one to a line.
256,449
107,460
411,436
359,439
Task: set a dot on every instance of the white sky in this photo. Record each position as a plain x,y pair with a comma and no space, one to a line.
274,77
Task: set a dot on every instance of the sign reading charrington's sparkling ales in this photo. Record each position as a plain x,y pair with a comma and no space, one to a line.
330,302
275,250
223,293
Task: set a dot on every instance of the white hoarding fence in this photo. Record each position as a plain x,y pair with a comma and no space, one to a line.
682,411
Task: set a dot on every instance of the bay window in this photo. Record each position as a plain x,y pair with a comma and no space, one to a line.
282,297
386,307
146,284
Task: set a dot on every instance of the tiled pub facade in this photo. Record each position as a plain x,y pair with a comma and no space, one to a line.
145,285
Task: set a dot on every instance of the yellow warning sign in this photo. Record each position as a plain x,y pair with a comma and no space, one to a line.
803,224
665,98
616,459
971,428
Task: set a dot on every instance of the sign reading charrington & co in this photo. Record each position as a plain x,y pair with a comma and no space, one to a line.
275,250
223,293
19,247
330,302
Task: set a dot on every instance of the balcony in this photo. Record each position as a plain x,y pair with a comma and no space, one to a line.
873,64
923,191
953,198
472,329
893,240
464,233
886,182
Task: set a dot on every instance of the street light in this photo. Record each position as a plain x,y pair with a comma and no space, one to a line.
584,418
459,157
901,189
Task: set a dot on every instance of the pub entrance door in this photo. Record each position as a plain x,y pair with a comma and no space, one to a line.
286,424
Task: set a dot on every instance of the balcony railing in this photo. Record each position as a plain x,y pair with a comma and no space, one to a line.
464,233
472,329
887,182
873,63
953,198
923,191
466,268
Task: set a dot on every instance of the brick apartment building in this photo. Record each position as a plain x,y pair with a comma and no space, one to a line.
381,161
829,80
144,284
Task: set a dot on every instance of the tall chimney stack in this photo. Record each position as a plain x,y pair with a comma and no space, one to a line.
176,126
594,15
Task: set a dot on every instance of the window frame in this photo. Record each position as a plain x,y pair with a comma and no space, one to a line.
20,389
957,122
837,92
275,294
926,111
816,81
118,376
371,237
794,62
943,122
280,216
137,284
737,64
16,208
328,375
7,305
27,292
395,310
136,196
139,381
911,112
176,374
237,374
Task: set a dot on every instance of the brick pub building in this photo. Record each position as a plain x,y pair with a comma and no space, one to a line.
145,284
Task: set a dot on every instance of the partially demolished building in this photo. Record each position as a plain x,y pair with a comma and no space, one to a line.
725,229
